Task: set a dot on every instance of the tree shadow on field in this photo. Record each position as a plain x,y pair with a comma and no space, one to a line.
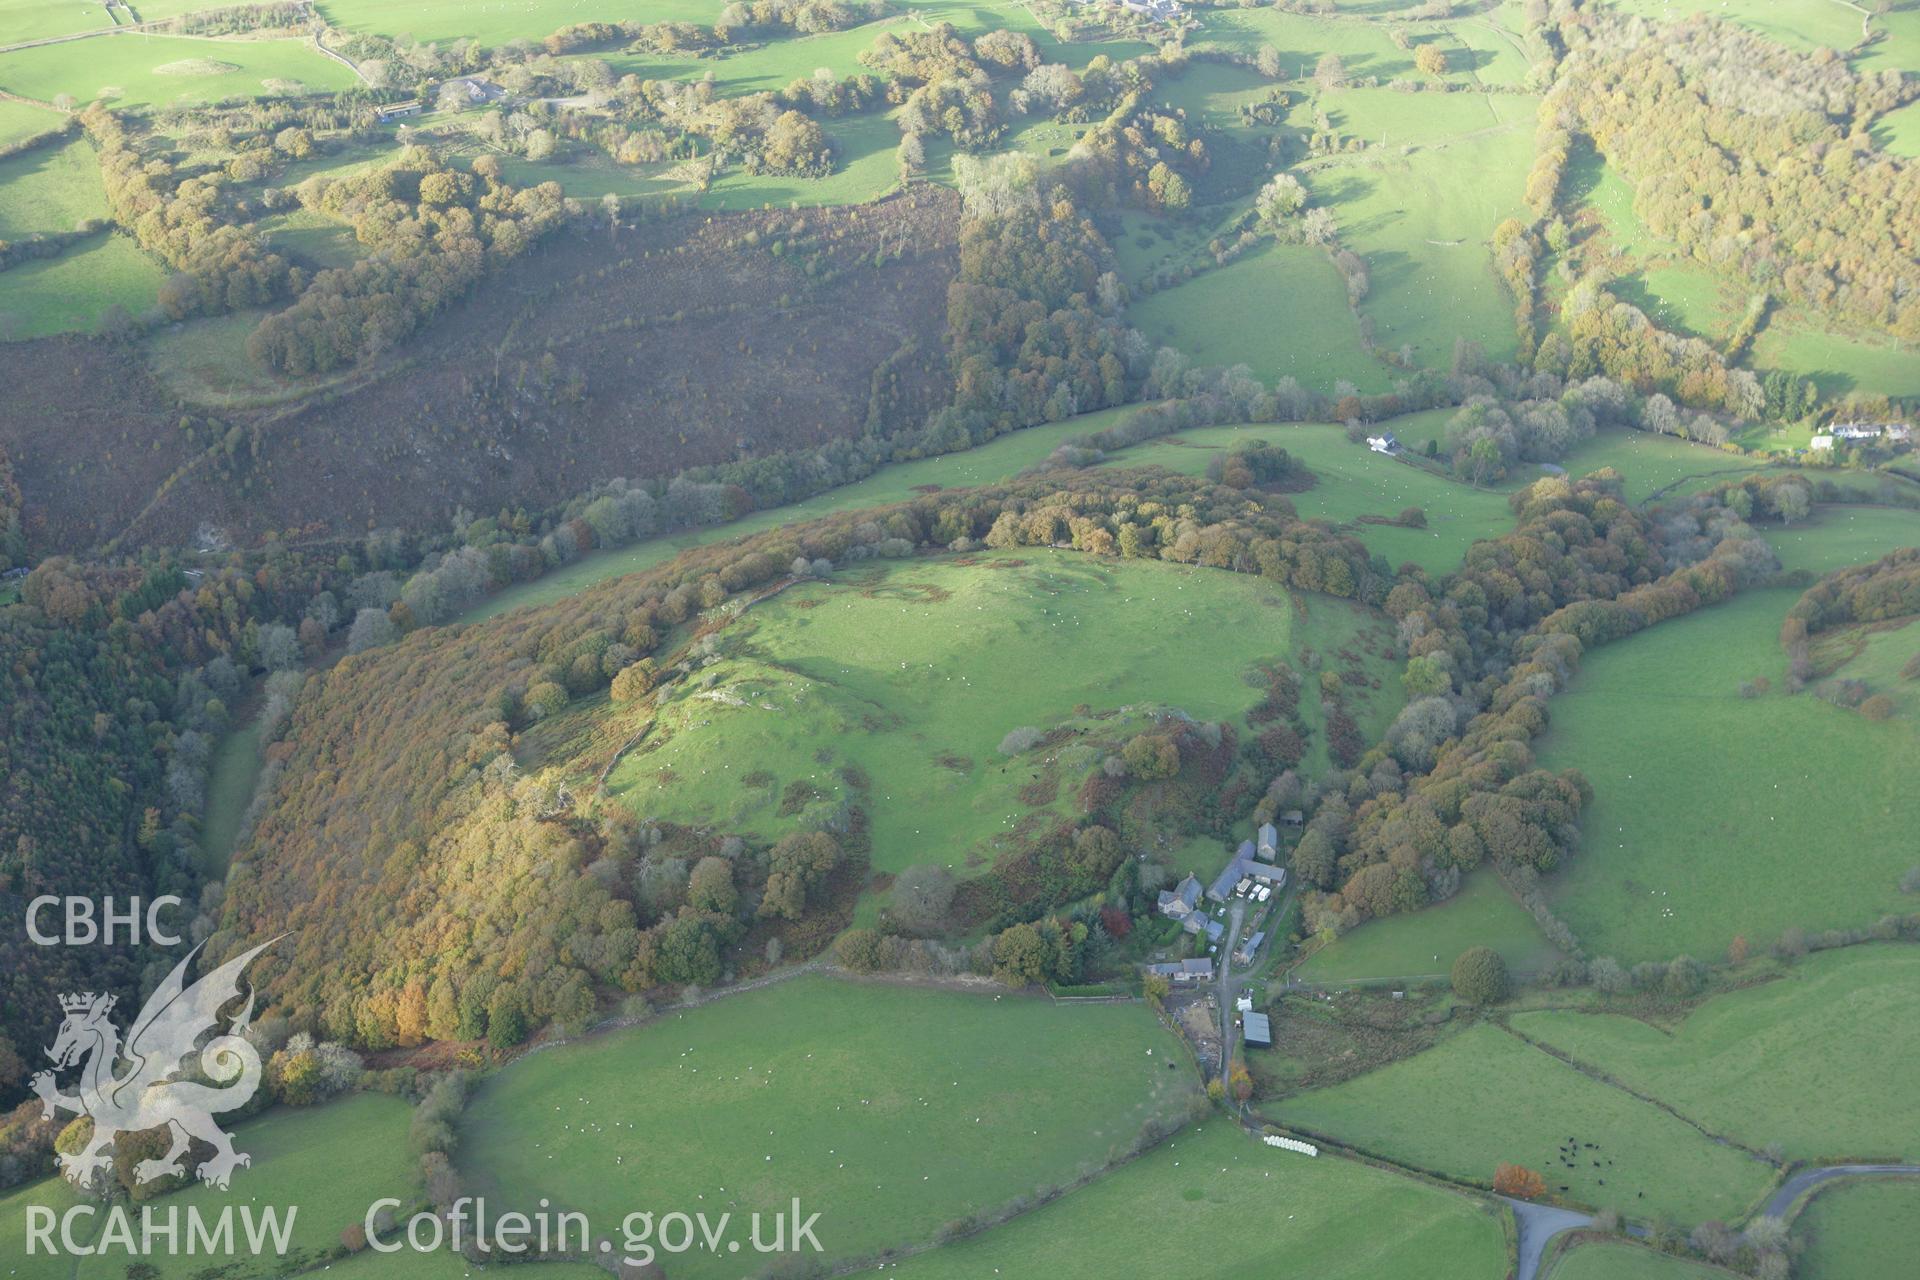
1465,58
1341,187
1585,168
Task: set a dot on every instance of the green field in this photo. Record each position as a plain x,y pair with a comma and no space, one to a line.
230,782
1280,310
1426,942
1861,1231
1656,722
1683,297
1878,654
1393,120
143,70
71,292
1818,1060
494,22
38,19
1839,363
50,189
1650,463
1482,1097
864,170
1350,481
1900,51
331,1161
20,120
52,1193
1838,536
1610,196
890,1111
1212,1202
1608,1261
886,671
1899,131
1364,47
1424,232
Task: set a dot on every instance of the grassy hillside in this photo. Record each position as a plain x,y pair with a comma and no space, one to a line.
1814,1060
1424,230
1426,942
1212,1202
1811,837
890,1111
1483,1097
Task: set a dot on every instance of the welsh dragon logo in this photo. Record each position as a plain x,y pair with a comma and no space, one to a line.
143,1094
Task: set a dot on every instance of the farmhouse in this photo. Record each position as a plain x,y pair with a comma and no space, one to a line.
1178,903
394,111
479,92
1269,844
1248,948
1198,969
1821,444
1383,443
1258,1029
1891,432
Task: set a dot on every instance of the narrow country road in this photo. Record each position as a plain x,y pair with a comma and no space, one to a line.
1539,1223
1806,1179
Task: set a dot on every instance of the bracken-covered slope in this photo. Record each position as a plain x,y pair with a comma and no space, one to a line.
694,341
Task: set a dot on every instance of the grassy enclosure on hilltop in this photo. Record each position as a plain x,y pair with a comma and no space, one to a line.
1760,1064
1861,1230
890,1111
1483,1097
1247,1210
1426,942
913,674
